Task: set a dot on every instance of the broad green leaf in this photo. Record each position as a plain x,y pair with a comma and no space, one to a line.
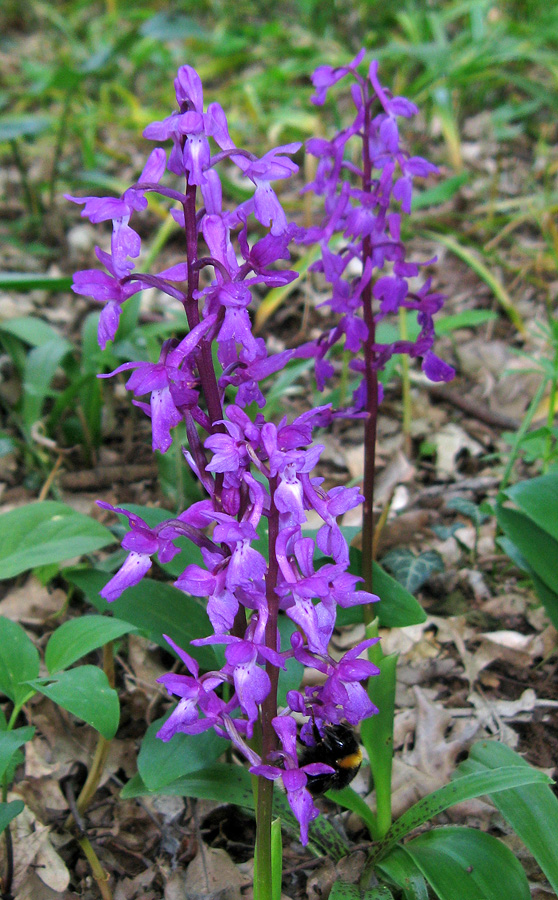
381,892
19,661
467,508
78,637
29,329
40,367
9,811
47,532
410,570
438,194
538,498
155,608
537,546
468,864
468,318
161,762
377,732
349,799
397,607
459,790
342,891
531,810
10,741
87,694
400,870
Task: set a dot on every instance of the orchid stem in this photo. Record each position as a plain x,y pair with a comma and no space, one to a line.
405,386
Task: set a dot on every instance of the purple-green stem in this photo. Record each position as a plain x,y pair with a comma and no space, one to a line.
383,791
371,375
264,800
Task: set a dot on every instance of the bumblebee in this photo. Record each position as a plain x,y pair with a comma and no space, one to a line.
336,747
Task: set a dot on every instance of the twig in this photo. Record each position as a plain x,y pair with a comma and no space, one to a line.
472,407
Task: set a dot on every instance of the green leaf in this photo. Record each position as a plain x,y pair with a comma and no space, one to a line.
468,864
468,509
438,194
349,799
397,607
40,367
155,608
10,741
459,790
531,810
400,870
19,661
340,890
381,892
86,693
468,318
536,545
161,762
9,811
47,532
410,570
377,731
77,638
538,498
29,329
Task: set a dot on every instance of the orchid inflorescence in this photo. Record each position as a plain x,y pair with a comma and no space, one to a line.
256,472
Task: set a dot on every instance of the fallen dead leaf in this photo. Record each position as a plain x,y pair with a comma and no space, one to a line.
211,875
450,442
32,603
34,853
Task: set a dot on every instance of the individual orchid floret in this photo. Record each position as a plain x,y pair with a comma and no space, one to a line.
108,289
293,776
170,383
125,241
197,694
142,542
325,77
341,696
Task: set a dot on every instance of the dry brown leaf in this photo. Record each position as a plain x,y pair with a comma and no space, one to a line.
516,648
32,603
33,852
450,442
211,875
320,881
430,763
137,888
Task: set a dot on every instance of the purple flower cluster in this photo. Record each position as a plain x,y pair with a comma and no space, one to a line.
257,475
363,258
